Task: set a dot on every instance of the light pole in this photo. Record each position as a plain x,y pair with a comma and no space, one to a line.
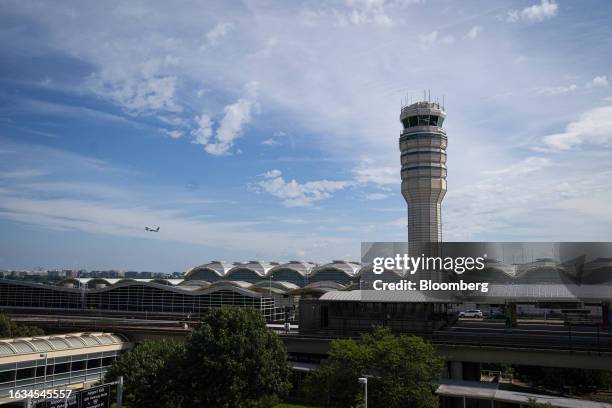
364,381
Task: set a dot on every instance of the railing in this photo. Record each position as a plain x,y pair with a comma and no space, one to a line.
554,341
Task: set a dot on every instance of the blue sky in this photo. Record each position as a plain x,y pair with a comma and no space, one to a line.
269,130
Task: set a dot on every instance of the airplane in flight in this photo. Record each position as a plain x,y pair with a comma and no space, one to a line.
152,229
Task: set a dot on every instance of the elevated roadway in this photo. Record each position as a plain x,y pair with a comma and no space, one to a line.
548,344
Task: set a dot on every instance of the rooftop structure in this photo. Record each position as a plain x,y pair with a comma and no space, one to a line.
57,361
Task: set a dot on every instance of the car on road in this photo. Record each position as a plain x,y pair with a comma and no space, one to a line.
471,313
497,316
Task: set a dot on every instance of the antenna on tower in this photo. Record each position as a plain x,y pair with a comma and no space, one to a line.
424,95
429,95
443,102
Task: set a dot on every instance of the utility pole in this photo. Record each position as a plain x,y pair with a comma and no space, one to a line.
364,381
119,391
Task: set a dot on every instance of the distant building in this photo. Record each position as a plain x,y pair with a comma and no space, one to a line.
56,274
70,273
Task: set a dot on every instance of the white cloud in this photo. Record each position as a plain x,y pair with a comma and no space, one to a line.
174,134
474,32
593,127
365,12
203,132
270,142
273,141
235,117
274,173
525,166
266,50
447,40
355,13
535,13
143,92
599,82
375,196
428,40
294,194
370,171
556,90
216,33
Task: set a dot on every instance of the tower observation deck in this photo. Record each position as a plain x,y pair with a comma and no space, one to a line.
423,156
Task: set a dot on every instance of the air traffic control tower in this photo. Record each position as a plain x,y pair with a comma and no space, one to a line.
423,157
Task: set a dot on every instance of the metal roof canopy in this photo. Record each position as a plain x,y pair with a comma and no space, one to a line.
477,390
389,296
541,293
57,342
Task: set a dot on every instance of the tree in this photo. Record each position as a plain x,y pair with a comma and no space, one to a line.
234,360
9,328
580,380
151,374
402,372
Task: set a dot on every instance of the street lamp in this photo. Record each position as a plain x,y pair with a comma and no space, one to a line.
364,381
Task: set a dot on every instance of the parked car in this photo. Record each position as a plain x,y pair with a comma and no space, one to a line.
471,313
497,316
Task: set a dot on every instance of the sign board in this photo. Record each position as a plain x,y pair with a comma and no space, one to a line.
97,397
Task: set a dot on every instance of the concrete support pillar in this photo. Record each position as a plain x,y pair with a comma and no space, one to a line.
471,371
456,370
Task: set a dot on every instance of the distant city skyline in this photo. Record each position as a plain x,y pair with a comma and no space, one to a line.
252,130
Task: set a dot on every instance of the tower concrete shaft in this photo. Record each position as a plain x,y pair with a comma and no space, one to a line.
423,156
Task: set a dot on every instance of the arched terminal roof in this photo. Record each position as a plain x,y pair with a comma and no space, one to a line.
194,282
216,268
316,289
541,271
93,283
281,286
300,267
234,283
348,267
597,272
